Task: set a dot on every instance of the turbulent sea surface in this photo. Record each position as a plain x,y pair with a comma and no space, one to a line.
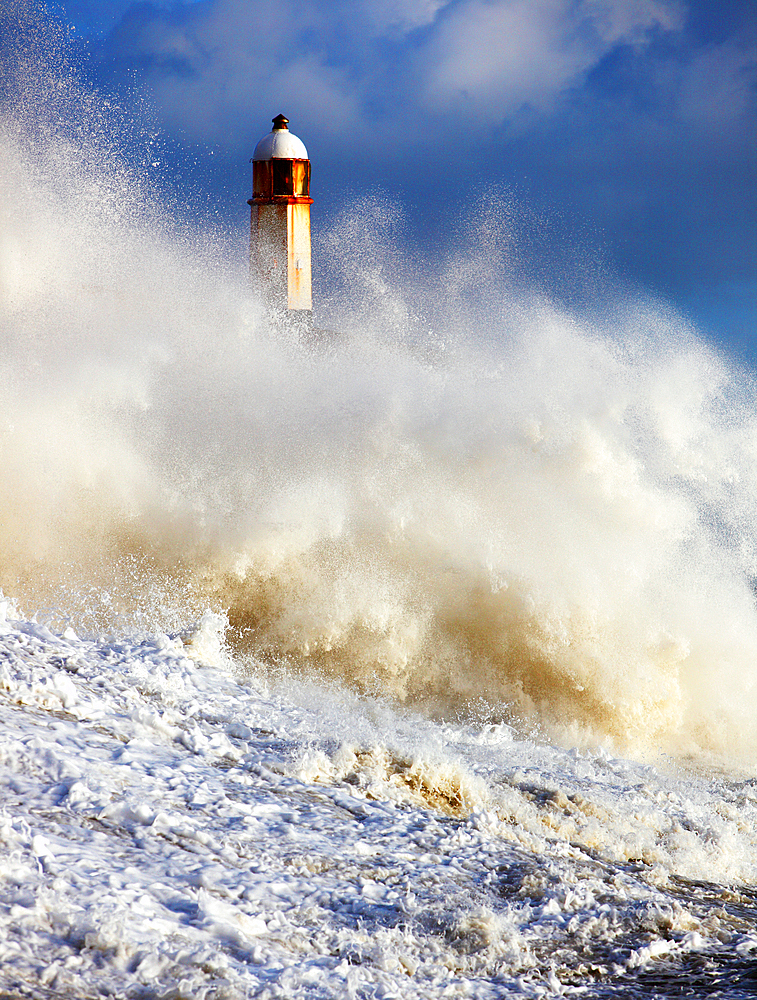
418,661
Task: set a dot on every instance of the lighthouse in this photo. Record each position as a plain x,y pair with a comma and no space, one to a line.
280,219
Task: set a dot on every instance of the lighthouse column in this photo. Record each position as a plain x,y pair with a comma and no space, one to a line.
280,219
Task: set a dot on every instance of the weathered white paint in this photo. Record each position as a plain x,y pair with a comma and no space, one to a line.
299,293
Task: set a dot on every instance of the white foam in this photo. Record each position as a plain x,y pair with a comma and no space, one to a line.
176,825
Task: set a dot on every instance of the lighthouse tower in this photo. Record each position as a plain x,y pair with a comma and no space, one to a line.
280,219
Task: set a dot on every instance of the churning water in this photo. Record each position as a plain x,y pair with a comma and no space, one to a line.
482,626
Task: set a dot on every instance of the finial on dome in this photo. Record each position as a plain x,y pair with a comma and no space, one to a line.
280,122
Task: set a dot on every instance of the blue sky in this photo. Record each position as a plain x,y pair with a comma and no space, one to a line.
629,125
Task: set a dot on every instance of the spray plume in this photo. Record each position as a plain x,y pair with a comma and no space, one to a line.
473,495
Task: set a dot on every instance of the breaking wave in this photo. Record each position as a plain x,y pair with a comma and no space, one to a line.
472,498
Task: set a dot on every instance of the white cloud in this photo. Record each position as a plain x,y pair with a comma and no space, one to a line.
403,15
214,69
495,56
719,86
218,70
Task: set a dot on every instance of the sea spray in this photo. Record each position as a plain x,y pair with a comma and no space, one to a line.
474,495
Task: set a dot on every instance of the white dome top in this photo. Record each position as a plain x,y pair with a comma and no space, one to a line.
280,144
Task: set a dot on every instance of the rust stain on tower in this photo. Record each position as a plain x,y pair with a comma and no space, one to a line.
280,218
